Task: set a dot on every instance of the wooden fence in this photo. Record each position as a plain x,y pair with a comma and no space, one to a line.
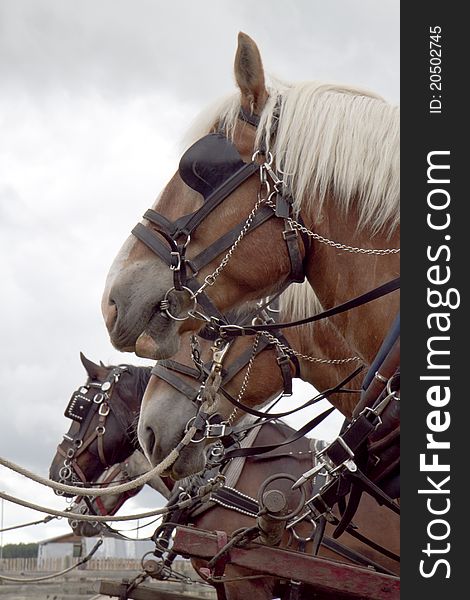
50,565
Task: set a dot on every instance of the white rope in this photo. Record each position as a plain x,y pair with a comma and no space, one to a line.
98,518
118,489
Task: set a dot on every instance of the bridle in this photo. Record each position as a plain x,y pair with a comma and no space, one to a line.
95,506
94,400
212,426
214,168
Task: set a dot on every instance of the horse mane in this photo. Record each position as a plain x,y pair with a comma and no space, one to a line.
138,380
330,139
298,301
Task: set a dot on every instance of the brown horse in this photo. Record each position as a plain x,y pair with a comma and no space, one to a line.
372,521
102,432
335,148
129,469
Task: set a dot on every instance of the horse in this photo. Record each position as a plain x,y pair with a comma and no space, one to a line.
136,464
327,157
255,470
324,360
102,433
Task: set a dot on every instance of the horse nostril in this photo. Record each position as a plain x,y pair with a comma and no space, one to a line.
110,313
149,442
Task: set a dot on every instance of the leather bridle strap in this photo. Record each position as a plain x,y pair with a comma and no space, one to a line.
255,450
314,400
222,192
227,331
164,373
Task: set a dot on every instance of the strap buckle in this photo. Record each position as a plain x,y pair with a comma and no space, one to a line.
215,430
175,261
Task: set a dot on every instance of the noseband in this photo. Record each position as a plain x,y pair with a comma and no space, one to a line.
214,168
91,400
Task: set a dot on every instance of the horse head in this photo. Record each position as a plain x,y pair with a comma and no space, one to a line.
103,413
197,207
283,182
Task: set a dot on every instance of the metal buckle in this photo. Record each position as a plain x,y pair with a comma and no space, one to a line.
215,430
176,267
326,463
98,398
289,233
104,410
226,330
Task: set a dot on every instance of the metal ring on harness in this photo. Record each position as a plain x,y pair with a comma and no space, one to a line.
193,439
296,510
165,305
300,538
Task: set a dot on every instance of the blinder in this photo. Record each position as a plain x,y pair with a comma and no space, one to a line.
214,168
78,406
209,163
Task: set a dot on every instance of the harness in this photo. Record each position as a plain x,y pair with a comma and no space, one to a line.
214,168
92,402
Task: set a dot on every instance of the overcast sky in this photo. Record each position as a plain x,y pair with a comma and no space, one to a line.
94,98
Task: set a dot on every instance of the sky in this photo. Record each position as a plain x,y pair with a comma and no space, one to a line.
95,97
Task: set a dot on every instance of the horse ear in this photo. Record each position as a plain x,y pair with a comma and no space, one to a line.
249,74
94,371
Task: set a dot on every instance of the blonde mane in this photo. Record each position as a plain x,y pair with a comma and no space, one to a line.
298,301
330,139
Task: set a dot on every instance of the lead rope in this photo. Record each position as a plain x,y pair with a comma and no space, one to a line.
92,491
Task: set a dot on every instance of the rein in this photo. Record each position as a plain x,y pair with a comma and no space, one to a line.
374,294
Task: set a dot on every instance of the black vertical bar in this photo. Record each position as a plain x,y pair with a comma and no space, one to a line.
434,260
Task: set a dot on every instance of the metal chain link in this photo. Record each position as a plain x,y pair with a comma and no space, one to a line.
209,280
323,240
312,359
245,381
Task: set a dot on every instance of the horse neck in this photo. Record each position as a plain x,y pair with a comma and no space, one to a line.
322,340
338,276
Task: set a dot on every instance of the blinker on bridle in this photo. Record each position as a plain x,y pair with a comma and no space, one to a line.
214,168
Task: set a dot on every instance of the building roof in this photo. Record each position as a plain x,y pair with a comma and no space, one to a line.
68,538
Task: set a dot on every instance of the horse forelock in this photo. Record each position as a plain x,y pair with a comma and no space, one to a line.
330,139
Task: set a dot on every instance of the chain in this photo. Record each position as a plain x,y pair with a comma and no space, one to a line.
313,359
244,385
196,353
209,280
323,240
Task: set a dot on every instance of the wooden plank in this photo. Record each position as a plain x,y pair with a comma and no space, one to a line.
143,592
324,575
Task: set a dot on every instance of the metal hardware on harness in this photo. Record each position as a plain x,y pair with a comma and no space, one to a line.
327,464
380,377
353,249
104,409
165,304
175,266
215,430
324,361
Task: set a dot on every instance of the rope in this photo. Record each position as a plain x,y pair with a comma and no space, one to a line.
93,491
54,575
45,520
98,518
